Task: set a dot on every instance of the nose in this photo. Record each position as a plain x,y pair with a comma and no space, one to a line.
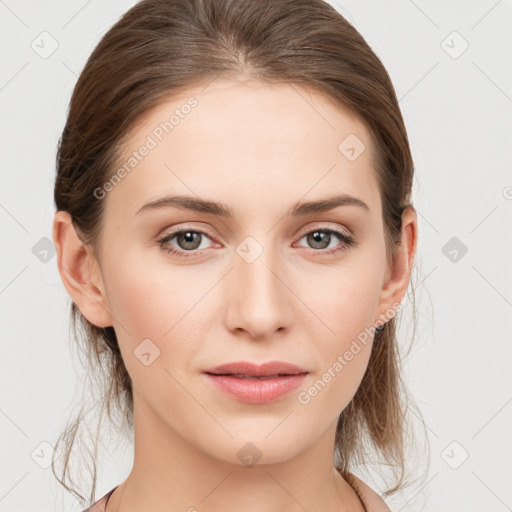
259,300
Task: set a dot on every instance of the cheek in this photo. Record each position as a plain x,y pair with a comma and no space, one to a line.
344,299
331,389
148,309
343,359
153,307
145,297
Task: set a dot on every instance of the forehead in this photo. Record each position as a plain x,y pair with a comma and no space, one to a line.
256,142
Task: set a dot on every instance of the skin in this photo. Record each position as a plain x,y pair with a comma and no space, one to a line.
259,149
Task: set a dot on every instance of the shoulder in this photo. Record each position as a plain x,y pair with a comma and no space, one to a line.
100,505
371,500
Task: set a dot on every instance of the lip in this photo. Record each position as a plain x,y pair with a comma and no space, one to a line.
257,370
256,391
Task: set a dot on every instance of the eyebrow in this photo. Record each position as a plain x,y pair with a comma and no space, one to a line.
222,210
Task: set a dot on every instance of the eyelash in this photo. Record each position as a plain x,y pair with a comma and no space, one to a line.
347,241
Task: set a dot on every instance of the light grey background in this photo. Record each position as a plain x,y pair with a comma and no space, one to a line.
458,110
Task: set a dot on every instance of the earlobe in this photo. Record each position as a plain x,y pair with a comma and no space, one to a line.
79,271
395,286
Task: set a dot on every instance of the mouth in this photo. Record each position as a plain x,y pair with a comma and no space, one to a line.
256,390
256,384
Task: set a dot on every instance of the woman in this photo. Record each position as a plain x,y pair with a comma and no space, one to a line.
234,226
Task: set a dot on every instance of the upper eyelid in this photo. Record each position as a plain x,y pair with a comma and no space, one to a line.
325,226
185,228
313,225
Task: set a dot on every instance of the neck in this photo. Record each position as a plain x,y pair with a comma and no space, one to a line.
169,472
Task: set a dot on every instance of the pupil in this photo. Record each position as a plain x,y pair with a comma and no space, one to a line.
187,238
321,238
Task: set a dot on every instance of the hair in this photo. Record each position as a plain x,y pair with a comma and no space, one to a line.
160,48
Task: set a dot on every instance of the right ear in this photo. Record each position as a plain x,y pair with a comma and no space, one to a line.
80,272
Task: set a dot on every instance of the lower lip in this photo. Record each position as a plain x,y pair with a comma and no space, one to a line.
255,391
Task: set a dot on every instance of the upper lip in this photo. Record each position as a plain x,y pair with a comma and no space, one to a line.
256,370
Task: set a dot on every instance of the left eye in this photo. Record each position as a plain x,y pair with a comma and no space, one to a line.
190,240
323,237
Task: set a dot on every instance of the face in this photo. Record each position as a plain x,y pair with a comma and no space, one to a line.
189,289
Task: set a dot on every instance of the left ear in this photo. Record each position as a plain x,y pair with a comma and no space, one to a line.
399,274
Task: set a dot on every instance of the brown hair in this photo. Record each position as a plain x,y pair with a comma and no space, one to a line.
158,49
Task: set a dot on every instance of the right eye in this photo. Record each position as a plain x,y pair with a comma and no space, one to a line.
189,240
